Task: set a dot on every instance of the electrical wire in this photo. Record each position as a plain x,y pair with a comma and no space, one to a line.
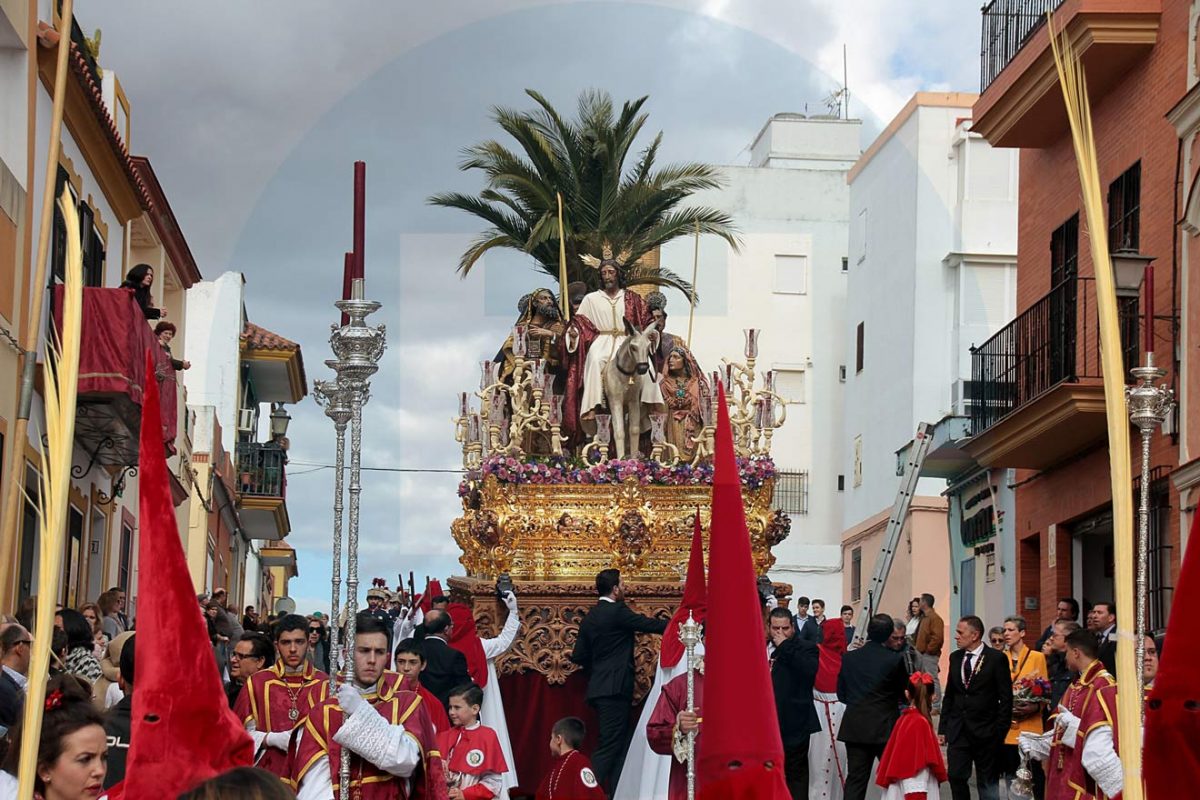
317,467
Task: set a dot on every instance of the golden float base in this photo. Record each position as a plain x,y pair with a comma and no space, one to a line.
569,532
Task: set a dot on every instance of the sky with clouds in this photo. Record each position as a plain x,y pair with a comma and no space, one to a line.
252,114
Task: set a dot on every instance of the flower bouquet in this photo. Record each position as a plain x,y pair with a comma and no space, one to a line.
1029,695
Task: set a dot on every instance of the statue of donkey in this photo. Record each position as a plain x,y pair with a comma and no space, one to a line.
624,377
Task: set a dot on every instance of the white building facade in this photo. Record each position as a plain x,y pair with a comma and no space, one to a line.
790,207
932,272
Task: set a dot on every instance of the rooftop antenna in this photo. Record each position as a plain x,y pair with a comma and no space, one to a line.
845,86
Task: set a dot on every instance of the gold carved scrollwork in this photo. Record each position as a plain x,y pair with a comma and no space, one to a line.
544,532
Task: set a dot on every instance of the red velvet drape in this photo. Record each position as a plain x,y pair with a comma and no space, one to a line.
113,345
532,706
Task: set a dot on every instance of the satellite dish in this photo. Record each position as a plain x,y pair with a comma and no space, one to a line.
285,605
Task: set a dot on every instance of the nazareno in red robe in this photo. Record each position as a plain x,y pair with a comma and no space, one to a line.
570,778
911,748
267,700
660,730
472,751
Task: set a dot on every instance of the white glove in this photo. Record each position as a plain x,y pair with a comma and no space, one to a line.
510,600
350,700
1068,723
279,740
1034,745
772,603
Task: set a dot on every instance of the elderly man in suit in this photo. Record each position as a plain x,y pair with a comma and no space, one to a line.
1102,621
15,645
604,647
976,711
445,667
871,684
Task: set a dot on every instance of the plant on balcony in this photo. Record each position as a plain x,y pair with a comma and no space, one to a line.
635,210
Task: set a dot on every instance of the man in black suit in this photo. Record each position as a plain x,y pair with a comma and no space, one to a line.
976,711
1102,621
794,663
15,645
812,632
445,667
1066,611
604,647
871,684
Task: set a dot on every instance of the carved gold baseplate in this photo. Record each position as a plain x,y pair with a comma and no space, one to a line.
550,614
570,532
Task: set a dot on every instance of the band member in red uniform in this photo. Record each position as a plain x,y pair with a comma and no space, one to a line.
570,777
274,701
410,660
669,725
474,761
1081,747
386,729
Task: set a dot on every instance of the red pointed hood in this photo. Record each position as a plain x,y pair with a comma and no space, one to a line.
695,597
465,638
432,589
738,760
183,731
1172,761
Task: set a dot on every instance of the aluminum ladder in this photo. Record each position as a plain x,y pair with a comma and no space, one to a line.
895,526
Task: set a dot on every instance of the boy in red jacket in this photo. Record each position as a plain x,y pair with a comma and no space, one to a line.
471,752
571,776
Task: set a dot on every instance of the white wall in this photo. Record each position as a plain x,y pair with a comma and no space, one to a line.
932,272
785,212
215,320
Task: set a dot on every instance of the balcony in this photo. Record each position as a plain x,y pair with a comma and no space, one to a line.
1037,390
113,343
262,490
1020,102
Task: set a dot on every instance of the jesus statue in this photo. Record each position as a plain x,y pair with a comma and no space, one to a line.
593,336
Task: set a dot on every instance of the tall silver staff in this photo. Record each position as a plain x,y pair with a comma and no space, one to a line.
358,348
689,634
331,396
1148,408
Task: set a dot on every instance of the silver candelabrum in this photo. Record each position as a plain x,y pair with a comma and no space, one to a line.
1149,406
335,399
689,634
357,348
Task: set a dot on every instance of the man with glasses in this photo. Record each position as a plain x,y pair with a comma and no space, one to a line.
251,653
318,646
15,644
274,701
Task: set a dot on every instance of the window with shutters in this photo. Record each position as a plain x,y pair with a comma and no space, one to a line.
1124,210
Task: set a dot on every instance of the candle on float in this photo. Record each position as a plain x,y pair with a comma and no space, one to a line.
751,342
357,289
463,407
360,212
1148,329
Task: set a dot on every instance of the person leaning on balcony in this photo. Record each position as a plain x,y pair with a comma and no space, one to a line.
165,332
931,634
139,279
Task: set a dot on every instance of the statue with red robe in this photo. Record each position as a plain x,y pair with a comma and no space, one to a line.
598,328
665,735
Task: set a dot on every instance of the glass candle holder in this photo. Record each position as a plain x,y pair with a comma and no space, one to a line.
556,403
604,428
752,341
473,429
464,407
519,343
658,428
769,381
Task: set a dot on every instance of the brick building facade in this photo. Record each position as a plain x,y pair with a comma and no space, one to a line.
1038,382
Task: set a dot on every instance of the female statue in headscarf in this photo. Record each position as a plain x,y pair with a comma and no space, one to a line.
683,395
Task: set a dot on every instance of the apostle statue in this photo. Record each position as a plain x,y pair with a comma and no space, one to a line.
599,327
657,303
540,317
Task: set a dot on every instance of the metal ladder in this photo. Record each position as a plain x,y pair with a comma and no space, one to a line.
895,526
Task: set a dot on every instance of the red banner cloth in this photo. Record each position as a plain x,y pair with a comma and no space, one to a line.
112,351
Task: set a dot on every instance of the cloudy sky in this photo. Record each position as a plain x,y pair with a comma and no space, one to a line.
253,112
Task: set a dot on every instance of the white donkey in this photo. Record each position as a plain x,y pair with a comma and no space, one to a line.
624,379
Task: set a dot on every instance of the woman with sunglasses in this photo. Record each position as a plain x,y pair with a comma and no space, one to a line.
318,646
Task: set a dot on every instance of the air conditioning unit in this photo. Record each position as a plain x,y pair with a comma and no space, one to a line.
247,419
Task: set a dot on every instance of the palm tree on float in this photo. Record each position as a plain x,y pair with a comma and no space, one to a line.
634,211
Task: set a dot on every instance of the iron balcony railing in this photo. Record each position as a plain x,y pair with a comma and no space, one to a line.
260,470
1054,341
1007,26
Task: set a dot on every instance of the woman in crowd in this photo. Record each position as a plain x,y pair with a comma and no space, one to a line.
318,645
110,619
996,638
91,612
914,619
108,690
81,658
140,279
72,748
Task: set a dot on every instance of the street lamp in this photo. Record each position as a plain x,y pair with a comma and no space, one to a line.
279,421
1129,267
